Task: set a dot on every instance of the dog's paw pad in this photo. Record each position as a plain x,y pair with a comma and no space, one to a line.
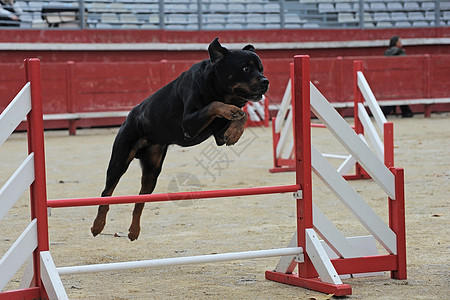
95,232
132,237
227,141
235,113
238,115
133,233
97,227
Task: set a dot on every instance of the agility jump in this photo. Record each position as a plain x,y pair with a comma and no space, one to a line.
316,270
258,113
382,142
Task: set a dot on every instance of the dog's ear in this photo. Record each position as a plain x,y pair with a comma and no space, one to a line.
249,48
216,51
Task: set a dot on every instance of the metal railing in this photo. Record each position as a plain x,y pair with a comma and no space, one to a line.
229,15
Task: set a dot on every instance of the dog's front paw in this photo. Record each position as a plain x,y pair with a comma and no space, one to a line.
236,114
234,132
232,112
97,227
100,220
133,232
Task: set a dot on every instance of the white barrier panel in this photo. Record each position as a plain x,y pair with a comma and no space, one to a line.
350,140
371,101
252,113
287,264
284,107
286,143
371,132
50,278
15,112
354,203
256,110
16,185
283,126
18,253
346,165
320,259
332,236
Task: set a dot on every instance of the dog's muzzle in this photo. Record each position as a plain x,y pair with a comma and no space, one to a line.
262,88
253,92
264,82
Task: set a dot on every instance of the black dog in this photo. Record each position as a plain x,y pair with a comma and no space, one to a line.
203,101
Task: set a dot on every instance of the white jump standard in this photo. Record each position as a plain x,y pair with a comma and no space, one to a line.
283,144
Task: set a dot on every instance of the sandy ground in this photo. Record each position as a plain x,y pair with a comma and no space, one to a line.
76,168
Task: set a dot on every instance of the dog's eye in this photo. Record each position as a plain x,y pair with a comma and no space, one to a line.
246,69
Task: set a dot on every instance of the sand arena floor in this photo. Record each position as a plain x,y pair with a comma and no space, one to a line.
76,167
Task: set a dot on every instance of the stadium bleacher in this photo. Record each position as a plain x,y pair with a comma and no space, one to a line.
234,14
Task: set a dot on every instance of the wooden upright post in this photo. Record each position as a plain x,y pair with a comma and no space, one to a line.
38,192
302,150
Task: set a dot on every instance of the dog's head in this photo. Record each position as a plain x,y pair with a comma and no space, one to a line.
239,73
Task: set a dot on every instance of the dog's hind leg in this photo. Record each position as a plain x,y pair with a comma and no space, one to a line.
151,163
123,153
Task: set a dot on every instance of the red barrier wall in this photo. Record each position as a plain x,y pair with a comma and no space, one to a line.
206,36
314,42
108,86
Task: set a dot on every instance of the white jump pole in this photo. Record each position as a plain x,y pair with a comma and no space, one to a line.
188,260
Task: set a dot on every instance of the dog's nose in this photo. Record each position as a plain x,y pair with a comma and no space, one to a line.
264,82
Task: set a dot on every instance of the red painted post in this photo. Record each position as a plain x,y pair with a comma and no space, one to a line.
307,275
38,192
340,80
427,76
70,95
397,222
302,143
290,160
360,173
357,96
427,84
388,141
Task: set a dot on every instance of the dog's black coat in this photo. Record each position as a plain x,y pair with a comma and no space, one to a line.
203,101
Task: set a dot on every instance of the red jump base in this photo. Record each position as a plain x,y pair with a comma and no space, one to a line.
310,283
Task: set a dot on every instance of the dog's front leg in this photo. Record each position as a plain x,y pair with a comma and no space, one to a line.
196,121
100,220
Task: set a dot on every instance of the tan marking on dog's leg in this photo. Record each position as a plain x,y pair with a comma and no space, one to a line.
135,228
227,111
151,164
100,220
235,131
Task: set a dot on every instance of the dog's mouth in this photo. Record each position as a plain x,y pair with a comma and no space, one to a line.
241,100
250,95
254,98
243,93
